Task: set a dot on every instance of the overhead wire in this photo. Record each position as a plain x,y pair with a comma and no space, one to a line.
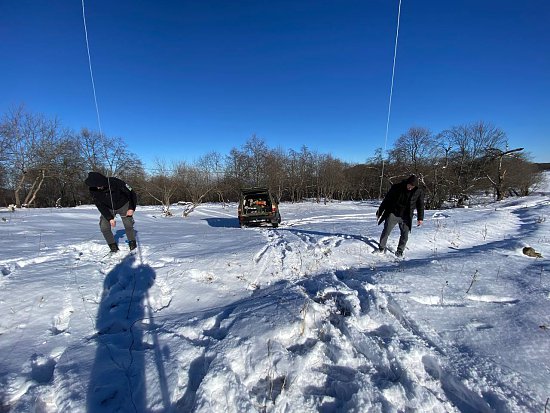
90,66
95,94
391,96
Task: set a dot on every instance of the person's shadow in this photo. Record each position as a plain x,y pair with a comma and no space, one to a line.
117,377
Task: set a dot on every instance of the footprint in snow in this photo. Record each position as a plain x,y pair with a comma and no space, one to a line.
42,368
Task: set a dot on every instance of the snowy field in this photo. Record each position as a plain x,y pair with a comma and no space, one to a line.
209,317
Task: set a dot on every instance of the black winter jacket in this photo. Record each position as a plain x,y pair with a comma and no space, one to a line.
121,193
402,203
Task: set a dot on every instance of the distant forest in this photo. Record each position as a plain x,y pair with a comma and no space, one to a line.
44,164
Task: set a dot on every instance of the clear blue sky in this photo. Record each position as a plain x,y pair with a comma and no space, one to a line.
178,79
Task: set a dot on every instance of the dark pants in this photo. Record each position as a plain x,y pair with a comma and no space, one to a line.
128,223
389,224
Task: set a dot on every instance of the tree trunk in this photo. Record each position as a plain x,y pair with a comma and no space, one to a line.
18,190
37,184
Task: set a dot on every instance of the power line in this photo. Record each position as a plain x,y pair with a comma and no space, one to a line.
90,66
95,96
391,96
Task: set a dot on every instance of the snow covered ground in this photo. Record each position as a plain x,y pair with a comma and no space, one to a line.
209,317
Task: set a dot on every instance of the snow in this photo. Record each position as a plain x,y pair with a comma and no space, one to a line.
209,317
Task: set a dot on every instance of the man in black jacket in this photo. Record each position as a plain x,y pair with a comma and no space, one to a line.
113,196
397,208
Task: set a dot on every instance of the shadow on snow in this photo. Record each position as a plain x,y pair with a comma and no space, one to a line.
223,222
117,376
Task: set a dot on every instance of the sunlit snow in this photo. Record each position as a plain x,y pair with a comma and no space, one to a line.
209,317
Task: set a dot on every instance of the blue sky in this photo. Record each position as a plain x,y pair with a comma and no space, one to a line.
178,79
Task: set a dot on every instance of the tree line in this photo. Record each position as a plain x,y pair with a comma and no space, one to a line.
44,164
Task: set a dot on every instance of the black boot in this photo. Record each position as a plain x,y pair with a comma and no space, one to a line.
132,245
113,247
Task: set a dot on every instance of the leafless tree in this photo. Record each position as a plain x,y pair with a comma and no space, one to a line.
523,175
293,167
331,178
497,156
468,156
200,180
42,164
164,183
104,154
275,165
31,143
414,148
256,152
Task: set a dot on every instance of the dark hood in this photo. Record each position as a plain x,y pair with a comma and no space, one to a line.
413,180
96,179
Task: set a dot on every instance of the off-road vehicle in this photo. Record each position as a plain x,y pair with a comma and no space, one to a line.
256,206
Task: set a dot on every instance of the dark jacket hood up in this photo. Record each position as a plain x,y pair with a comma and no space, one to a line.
413,180
398,193
96,179
113,195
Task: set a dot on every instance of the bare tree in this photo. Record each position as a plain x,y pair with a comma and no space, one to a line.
30,143
293,175
497,156
201,180
332,178
197,185
414,149
300,173
92,150
466,162
104,154
213,167
65,186
236,170
164,184
275,164
256,152
523,175
51,148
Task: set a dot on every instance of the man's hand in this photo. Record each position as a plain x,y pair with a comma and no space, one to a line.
419,222
112,222
130,212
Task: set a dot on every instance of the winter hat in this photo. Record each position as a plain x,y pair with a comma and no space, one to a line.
413,180
95,179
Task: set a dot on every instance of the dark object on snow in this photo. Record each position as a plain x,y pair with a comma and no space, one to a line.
120,194
113,247
256,205
112,196
132,245
397,208
530,252
402,202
